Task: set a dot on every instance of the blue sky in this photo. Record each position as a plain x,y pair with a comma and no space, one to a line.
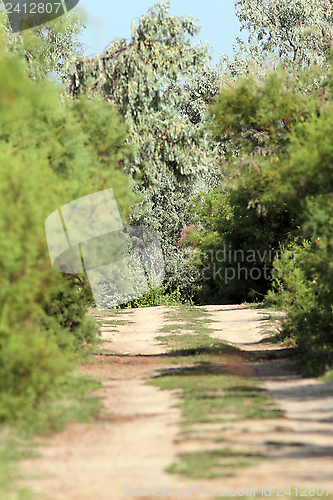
109,20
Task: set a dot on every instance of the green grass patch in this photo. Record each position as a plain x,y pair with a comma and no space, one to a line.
111,313
327,377
13,447
213,464
115,322
189,336
160,296
208,388
188,314
107,352
197,327
208,396
112,323
198,348
71,402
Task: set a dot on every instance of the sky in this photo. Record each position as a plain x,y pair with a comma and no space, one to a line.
108,20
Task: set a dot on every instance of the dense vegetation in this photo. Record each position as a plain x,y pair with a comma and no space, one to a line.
52,150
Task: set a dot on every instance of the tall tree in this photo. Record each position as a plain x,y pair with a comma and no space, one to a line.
297,32
150,80
44,49
144,80
52,151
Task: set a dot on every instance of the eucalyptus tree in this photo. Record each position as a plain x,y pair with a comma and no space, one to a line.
144,78
44,49
150,80
298,33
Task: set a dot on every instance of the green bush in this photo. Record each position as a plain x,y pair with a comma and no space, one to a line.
235,245
279,196
51,152
305,292
159,296
31,361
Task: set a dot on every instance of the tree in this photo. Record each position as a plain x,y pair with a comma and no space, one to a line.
44,49
297,32
150,81
277,197
144,80
254,119
305,289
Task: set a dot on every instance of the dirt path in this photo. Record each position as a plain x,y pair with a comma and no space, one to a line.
303,449
136,438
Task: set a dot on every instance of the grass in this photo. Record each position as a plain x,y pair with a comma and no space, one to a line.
199,348
213,464
72,403
208,396
113,322
188,314
13,447
189,340
213,390
110,322
327,377
105,352
273,324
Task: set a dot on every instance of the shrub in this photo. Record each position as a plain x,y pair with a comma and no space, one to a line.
304,291
50,154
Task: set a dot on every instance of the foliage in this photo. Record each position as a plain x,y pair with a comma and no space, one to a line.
31,361
13,448
199,92
161,84
50,154
143,79
166,208
236,234
279,160
156,297
274,133
44,50
298,33
305,289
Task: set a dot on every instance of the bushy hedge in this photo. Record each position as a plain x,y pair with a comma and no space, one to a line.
51,152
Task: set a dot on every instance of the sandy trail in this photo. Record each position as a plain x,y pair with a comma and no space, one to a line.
303,449
136,438
138,336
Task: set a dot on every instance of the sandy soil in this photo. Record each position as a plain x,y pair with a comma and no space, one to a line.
135,438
